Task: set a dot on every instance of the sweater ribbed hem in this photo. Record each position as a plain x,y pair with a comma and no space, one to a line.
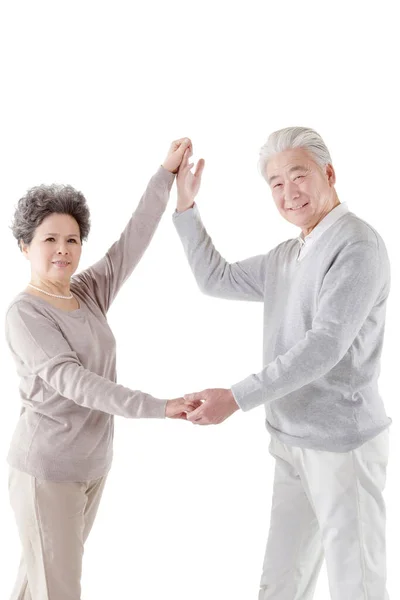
328,444
55,470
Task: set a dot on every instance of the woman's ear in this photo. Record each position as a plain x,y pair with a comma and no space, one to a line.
24,248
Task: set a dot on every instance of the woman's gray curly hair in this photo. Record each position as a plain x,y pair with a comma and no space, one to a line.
43,200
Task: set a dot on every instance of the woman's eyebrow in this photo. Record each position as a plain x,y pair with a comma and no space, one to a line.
69,235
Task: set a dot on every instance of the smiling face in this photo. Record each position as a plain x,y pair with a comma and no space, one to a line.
303,190
55,249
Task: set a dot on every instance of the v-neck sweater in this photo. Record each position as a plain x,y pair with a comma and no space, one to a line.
324,320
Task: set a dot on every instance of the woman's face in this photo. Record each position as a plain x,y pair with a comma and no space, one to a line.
55,249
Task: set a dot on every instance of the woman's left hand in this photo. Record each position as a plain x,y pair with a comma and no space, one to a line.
175,154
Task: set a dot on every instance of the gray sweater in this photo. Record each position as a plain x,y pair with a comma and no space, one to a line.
66,361
324,319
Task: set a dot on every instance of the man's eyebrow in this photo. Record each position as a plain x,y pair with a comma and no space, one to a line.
273,178
295,168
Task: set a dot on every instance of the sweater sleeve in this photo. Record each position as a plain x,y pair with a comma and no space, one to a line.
105,278
38,342
243,280
356,281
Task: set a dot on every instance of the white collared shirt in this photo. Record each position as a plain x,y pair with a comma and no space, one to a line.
330,219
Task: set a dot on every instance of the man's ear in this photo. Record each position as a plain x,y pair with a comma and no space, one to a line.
331,175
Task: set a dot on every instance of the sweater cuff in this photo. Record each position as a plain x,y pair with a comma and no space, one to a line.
186,218
163,176
248,393
154,408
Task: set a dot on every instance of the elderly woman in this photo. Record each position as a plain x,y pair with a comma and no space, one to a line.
324,296
64,349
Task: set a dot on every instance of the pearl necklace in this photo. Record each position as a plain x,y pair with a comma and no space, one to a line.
52,295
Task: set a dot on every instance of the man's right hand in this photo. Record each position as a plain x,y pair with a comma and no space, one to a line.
188,183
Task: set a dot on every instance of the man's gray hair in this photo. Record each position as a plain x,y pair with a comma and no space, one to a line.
294,137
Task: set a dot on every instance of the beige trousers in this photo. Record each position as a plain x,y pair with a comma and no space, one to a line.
327,505
54,520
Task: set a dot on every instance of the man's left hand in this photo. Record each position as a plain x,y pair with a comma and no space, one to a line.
217,405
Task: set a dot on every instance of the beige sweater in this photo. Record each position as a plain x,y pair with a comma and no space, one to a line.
67,361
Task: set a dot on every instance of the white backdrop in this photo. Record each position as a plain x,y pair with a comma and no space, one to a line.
92,95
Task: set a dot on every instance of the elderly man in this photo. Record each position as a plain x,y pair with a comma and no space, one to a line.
324,296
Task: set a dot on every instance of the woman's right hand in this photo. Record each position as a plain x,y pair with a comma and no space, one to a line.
179,407
175,154
188,183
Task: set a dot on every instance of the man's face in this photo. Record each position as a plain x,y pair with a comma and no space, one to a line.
303,191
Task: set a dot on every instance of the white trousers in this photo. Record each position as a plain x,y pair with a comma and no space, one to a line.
54,520
327,504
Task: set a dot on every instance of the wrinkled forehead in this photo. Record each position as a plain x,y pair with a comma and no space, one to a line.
58,223
288,161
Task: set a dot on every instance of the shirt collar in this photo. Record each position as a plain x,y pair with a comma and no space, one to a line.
325,223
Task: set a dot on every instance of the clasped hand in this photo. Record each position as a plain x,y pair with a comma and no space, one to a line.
187,183
209,407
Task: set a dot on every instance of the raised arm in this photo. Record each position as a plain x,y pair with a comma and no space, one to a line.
105,278
38,342
243,280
